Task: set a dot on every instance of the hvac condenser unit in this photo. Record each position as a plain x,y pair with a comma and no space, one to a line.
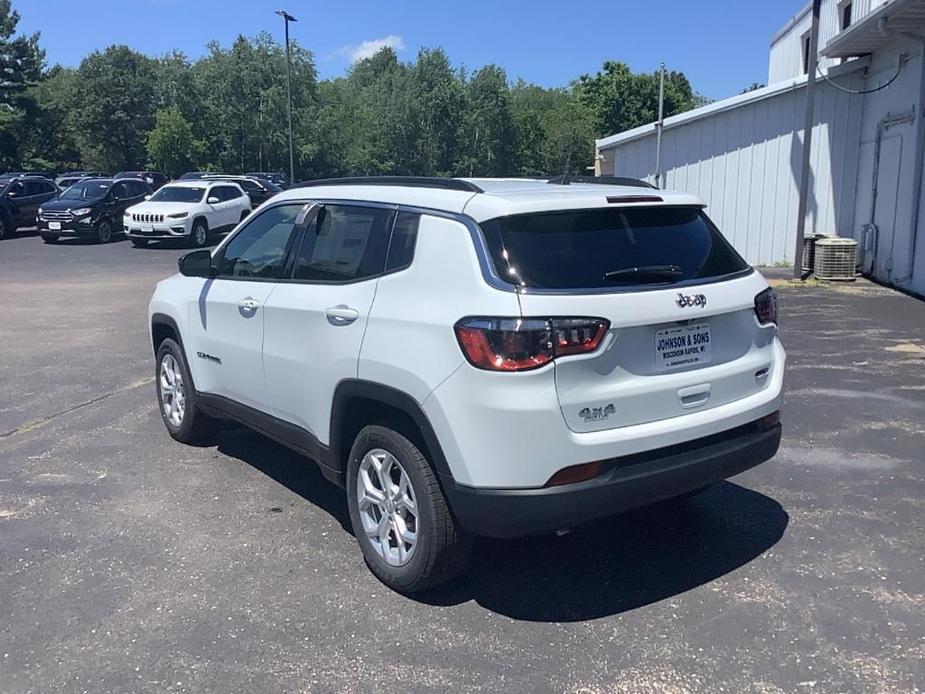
835,259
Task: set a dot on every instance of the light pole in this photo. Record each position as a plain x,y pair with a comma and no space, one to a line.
286,19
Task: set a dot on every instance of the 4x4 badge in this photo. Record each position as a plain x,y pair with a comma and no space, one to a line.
691,300
597,414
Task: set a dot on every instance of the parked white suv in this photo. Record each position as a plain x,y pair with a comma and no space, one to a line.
191,210
477,357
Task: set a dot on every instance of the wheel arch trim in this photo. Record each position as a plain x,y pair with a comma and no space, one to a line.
352,389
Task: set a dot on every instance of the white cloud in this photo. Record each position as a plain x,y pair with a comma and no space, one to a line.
367,49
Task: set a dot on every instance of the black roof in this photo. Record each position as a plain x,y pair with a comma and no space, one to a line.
408,181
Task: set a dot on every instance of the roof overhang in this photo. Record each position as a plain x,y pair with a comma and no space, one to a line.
878,29
729,104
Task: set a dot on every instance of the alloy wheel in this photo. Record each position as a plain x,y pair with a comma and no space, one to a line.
199,235
387,505
173,391
104,233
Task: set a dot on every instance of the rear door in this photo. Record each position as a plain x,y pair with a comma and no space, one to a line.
680,301
227,321
315,321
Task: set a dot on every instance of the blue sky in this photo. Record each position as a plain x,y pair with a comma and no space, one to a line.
722,45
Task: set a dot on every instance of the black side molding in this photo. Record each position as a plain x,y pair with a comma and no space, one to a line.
290,435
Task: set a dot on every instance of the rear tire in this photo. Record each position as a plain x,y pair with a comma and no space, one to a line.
409,538
50,238
176,397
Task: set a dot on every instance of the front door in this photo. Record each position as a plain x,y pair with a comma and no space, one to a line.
227,325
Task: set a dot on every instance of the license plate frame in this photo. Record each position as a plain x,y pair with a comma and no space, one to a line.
683,347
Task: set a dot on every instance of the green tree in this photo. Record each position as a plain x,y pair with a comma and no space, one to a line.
116,108
21,63
489,126
171,145
621,99
439,104
46,133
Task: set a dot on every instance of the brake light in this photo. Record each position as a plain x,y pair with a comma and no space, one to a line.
520,344
766,306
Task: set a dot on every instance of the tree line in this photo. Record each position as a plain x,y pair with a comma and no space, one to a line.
226,111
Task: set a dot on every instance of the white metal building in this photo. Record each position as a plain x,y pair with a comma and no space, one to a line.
743,155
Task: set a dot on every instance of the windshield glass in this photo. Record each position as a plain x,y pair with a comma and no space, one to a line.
178,194
86,190
609,248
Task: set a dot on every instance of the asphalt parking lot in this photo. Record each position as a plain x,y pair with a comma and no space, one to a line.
129,562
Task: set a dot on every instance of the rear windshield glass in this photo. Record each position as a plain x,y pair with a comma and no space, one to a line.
178,194
578,249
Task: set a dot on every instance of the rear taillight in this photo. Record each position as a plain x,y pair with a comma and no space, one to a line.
766,306
519,344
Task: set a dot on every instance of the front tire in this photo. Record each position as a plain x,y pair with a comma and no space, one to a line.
409,538
199,236
176,397
139,243
50,238
104,231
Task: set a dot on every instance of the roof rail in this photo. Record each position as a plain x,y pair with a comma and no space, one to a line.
410,181
567,179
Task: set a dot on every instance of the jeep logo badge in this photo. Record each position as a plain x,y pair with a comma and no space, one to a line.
685,301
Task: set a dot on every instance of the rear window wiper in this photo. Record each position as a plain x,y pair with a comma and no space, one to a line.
666,272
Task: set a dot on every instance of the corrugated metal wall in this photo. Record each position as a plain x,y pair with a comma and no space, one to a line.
745,164
786,58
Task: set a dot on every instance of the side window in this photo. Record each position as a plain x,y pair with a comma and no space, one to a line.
259,249
120,191
33,188
404,236
17,189
344,244
139,189
225,193
47,187
249,186
215,192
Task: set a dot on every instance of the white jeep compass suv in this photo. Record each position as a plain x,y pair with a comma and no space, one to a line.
473,357
190,210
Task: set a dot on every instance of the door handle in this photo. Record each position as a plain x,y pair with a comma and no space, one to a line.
341,315
248,305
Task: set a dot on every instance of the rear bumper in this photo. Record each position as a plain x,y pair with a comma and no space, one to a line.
629,482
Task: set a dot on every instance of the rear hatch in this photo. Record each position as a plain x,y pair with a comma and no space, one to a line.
683,335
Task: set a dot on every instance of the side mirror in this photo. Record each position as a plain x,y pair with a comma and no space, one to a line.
197,264
12,194
213,200
147,197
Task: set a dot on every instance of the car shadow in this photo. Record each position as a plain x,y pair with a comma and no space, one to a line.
620,563
295,472
608,567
